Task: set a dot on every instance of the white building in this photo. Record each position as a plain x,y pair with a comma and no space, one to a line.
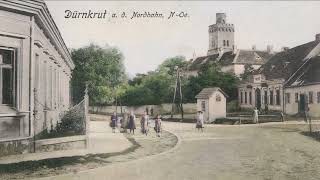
288,82
35,67
213,103
222,50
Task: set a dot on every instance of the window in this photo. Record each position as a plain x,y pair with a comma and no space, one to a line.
287,97
310,97
318,97
250,97
203,106
241,97
7,77
245,97
271,98
296,97
218,98
224,42
278,97
228,43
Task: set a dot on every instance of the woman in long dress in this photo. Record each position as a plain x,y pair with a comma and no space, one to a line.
132,124
256,115
145,123
158,124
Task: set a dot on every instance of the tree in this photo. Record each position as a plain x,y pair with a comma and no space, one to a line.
210,76
102,68
248,69
169,64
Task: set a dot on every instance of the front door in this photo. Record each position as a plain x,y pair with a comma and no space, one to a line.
302,103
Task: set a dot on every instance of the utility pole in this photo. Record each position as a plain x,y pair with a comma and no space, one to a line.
177,89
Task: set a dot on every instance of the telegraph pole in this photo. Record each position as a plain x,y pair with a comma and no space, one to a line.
177,89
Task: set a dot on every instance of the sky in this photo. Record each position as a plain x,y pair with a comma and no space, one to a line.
147,42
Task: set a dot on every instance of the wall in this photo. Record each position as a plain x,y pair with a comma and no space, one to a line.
51,79
64,143
292,107
199,108
15,34
15,146
238,69
157,109
217,109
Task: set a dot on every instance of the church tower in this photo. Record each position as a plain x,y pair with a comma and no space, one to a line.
221,35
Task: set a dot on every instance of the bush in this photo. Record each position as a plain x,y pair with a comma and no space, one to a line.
233,106
70,125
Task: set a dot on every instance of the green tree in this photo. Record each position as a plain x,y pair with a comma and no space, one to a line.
210,76
102,68
170,63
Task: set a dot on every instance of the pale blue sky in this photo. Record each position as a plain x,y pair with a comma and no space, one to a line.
145,43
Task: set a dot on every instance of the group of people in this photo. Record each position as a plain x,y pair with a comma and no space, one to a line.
128,121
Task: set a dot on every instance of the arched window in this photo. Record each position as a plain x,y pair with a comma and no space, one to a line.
228,43
224,42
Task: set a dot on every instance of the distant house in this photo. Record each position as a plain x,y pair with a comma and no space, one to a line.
35,67
222,50
288,82
212,102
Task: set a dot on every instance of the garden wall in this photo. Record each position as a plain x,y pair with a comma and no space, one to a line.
64,143
15,146
188,108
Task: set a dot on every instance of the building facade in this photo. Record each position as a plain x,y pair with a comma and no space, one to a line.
288,82
213,103
35,67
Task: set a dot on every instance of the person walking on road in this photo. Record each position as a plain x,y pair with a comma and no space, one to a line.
200,122
145,123
114,122
132,124
124,122
255,115
158,123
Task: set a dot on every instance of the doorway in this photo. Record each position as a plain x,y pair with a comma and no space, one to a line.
302,103
258,99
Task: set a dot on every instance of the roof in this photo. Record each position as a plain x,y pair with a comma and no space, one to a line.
253,57
283,64
228,58
202,61
206,92
308,74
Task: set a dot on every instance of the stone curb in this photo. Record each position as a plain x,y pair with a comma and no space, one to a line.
177,145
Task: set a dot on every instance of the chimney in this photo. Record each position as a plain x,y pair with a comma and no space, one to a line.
254,48
269,49
317,37
285,48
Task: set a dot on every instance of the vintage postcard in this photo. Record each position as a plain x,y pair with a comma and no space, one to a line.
159,90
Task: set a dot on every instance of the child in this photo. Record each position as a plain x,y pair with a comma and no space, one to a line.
157,126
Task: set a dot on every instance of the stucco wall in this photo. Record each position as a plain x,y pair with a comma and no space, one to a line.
217,109
199,108
292,107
